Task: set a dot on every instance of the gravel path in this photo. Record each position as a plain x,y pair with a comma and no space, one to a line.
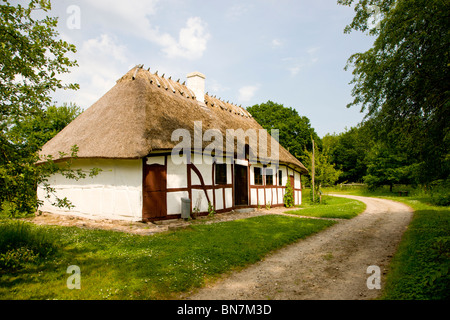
330,265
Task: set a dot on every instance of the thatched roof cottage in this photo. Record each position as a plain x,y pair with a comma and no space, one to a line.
135,132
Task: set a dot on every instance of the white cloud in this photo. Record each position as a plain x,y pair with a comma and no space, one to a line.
238,10
214,87
191,42
276,43
247,93
297,64
101,62
133,17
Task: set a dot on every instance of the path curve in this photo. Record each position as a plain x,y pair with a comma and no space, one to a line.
330,265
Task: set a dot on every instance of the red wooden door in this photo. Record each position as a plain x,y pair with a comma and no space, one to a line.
154,192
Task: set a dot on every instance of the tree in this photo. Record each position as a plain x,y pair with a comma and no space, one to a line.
36,130
31,57
325,172
387,166
348,152
402,81
294,130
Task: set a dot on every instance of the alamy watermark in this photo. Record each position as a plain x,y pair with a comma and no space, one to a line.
235,142
74,280
73,21
374,281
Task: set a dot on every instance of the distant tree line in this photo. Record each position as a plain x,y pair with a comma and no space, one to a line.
402,86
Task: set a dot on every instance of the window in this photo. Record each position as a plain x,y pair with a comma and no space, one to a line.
221,173
269,177
280,177
258,176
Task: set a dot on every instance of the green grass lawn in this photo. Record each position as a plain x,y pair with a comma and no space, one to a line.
117,265
331,207
419,269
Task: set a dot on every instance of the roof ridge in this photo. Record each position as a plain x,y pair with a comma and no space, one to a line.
182,89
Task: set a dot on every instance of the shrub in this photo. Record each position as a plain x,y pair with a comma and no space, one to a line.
22,243
288,195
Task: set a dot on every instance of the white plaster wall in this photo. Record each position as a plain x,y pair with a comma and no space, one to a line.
206,172
115,193
297,182
156,160
229,197
280,196
176,174
254,200
229,174
268,196
274,197
283,178
219,199
261,197
196,193
298,197
174,202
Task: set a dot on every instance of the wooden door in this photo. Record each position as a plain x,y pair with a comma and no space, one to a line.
154,192
240,185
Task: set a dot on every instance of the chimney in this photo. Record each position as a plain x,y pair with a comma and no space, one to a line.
196,82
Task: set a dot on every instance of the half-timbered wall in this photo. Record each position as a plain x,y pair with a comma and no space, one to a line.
115,193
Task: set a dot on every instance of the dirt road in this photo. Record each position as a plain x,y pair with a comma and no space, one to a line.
330,265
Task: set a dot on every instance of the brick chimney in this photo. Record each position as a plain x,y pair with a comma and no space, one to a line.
196,82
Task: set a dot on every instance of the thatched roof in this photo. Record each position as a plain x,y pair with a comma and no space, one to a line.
138,115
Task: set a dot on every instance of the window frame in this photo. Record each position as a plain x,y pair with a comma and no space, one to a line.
269,175
220,173
258,178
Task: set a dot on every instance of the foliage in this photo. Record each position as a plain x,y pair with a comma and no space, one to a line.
20,243
36,130
385,166
288,197
348,152
325,172
294,130
420,267
31,58
211,210
440,193
402,81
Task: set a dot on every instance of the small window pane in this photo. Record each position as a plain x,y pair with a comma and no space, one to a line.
258,176
221,173
269,177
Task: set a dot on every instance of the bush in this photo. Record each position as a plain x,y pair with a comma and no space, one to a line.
440,199
22,243
17,258
289,195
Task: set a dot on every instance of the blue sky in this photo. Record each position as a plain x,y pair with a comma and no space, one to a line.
251,51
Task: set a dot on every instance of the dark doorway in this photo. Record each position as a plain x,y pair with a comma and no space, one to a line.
154,192
240,185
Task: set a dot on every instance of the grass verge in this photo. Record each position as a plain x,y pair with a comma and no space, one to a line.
419,269
117,265
331,207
